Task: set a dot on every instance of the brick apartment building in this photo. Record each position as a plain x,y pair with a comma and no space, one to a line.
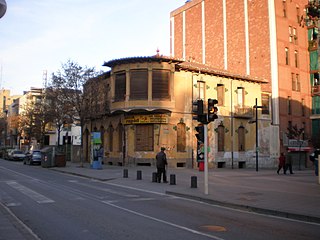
260,38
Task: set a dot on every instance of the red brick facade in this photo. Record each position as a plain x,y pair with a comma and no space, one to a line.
230,47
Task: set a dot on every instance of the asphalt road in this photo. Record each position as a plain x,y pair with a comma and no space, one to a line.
59,206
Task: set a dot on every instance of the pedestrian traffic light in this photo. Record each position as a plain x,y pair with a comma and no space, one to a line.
200,133
197,110
212,109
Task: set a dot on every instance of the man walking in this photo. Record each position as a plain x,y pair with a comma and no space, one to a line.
161,165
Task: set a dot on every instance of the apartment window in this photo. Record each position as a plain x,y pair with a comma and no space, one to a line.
293,81
221,137
241,94
110,132
120,87
284,8
287,56
138,84
181,137
295,36
298,15
241,139
296,61
265,103
289,124
289,105
297,82
303,111
290,34
144,137
199,90
160,85
220,94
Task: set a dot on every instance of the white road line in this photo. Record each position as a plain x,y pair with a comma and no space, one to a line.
39,198
162,221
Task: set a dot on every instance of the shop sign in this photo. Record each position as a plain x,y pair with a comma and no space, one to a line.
146,119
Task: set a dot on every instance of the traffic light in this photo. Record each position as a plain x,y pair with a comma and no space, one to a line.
197,110
200,133
212,109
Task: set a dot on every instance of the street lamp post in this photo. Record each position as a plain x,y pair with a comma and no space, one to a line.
257,139
3,8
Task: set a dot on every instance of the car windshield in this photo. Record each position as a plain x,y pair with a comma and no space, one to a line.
37,154
17,152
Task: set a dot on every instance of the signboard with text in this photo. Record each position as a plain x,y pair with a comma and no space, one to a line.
146,119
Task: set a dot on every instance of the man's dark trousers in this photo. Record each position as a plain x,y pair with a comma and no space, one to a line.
161,171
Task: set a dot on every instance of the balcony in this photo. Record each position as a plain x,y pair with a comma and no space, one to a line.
243,112
316,90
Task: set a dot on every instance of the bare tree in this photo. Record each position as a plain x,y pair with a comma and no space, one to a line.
68,84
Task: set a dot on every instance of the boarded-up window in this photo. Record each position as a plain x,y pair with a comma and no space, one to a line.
181,137
138,84
120,132
120,87
241,139
265,103
144,137
160,85
110,132
220,94
221,135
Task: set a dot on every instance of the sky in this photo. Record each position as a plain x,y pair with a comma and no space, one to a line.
38,36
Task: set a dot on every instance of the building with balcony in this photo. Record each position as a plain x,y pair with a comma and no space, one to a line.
312,24
144,103
266,39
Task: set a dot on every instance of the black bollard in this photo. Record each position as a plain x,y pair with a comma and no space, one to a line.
139,175
154,177
194,182
172,179
125,173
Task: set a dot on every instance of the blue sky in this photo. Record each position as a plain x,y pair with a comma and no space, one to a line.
40,35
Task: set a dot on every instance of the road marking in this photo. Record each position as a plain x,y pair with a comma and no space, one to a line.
39,198
162,221
119,193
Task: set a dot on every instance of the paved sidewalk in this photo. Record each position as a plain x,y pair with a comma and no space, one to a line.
295,196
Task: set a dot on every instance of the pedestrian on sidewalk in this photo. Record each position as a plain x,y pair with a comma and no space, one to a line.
282,163
288,164
161,158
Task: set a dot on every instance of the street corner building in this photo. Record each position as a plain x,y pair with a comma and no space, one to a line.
145,103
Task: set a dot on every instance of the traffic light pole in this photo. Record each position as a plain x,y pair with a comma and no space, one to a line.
206,185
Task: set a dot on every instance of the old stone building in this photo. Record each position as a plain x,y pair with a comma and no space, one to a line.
144,103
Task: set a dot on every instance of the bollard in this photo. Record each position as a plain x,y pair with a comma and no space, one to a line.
194,182
139,175
125,173
154,177
172,179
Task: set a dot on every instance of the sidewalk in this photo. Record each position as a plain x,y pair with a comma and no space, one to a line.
294,196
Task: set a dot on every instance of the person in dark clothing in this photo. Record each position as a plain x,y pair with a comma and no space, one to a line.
282,163
161,165
288,164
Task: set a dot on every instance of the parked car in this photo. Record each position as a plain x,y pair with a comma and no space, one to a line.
33,157
17,155
8,154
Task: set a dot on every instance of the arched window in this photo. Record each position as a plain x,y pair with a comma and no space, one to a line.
241,139
221,136
181,137
110,137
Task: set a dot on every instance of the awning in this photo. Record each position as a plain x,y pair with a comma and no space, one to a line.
299,149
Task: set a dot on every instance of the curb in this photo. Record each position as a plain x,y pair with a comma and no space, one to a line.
276,213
